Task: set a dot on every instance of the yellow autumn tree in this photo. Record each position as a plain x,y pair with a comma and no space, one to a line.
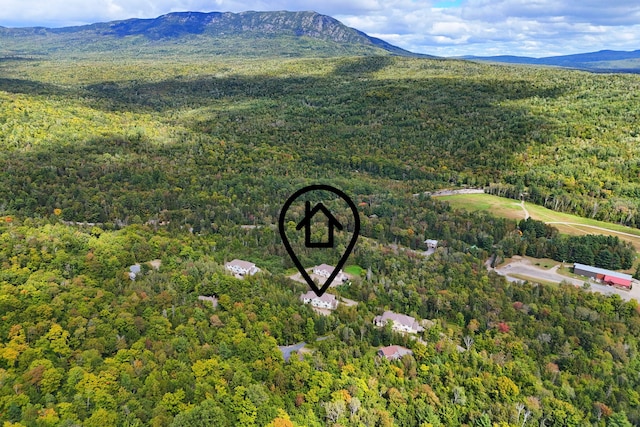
282,420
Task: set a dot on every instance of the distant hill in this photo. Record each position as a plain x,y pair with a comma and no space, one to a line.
243,34
602,61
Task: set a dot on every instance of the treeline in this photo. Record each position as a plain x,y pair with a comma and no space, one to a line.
540,240
606,204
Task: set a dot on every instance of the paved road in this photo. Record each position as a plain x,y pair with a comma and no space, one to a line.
348,302
523,267
287,350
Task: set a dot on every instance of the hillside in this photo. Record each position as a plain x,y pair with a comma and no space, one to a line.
601,61
193,33
186,160
72,129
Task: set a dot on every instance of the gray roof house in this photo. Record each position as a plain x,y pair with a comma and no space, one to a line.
327,301
400,322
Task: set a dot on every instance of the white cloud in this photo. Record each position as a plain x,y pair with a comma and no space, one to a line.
484,27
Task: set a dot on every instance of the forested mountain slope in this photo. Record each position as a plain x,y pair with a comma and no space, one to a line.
204,34
215,141
601,61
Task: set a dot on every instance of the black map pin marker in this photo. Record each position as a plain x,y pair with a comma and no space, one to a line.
333,223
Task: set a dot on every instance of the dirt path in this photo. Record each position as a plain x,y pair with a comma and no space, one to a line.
526,212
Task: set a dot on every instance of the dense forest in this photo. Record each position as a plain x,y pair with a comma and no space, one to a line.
204,142
112,162
83,343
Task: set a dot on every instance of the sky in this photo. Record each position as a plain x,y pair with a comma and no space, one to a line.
439,27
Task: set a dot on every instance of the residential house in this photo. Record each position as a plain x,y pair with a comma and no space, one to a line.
242,268
431,244
326,270
327,301
393,352
400,322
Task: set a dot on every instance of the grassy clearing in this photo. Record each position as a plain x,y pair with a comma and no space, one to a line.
545,263
566,223
353,270
500,206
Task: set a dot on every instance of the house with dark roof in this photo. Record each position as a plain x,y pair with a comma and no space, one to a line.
399,322
393,352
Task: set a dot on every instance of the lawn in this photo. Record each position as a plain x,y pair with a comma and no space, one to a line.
353,270
566,223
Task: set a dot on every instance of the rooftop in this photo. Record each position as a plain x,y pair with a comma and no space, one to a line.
400,318
327,267
325,297
394,350
602,271
241,264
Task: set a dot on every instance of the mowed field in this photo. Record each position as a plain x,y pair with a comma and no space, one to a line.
565,223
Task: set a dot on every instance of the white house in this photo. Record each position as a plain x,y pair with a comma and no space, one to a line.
431,244
327,301
393,352
243,268
326,270
400,322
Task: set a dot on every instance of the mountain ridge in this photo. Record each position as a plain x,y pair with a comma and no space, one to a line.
599,61
202,30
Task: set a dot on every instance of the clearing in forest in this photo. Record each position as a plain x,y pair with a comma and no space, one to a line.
564,222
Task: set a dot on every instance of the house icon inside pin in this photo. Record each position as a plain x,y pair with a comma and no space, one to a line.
306,223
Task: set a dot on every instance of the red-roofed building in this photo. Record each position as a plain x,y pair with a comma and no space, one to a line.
617,281
393,352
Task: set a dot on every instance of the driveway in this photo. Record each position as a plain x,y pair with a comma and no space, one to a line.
287,350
